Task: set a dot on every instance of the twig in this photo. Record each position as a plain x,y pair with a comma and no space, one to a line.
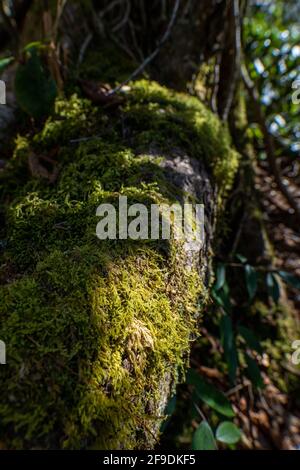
154,53
83,48
109,7
238,235
122,45
124,20
237,57
237,388
135,43
264,269
214,95
268,141
84,139
10,26
143,13
59,11
200,411
143,424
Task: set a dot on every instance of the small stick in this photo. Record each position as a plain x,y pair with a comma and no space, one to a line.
83,48
154,53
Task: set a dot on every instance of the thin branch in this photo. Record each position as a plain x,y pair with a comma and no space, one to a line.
200,412
236,389
10,26
263,269
122,45
134,40
215,88
109,7
124,20
59,11
83,48
236,23
238,235
152,56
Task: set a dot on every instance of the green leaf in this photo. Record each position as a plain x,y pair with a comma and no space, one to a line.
203,438
169,410
273,287
251,280
222,297
253,372
241,258
218,298
228,343
34,45
5,63
209,394
221,276
35,89
250,339
228,433
290,279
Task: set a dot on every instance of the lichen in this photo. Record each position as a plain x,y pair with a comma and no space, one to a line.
92,327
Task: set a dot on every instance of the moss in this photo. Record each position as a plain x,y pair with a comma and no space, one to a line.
89,336
280,328
93,327
167,118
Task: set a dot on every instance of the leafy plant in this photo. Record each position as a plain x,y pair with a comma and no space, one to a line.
250,338
205,439
273,287
228,433
209,394
4,63
253,372
291,280
35,89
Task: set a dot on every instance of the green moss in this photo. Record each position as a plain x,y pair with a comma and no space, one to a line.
89,336
166,118
92,327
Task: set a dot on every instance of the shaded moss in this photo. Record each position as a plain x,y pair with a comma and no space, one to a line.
93,327
167,118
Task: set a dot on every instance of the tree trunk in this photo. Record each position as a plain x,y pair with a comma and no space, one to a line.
109,324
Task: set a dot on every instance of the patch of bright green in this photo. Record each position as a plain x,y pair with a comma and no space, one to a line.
93,327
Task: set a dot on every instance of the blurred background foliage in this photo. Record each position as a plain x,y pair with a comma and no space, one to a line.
272,53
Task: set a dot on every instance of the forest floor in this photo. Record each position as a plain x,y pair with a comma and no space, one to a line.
269,418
